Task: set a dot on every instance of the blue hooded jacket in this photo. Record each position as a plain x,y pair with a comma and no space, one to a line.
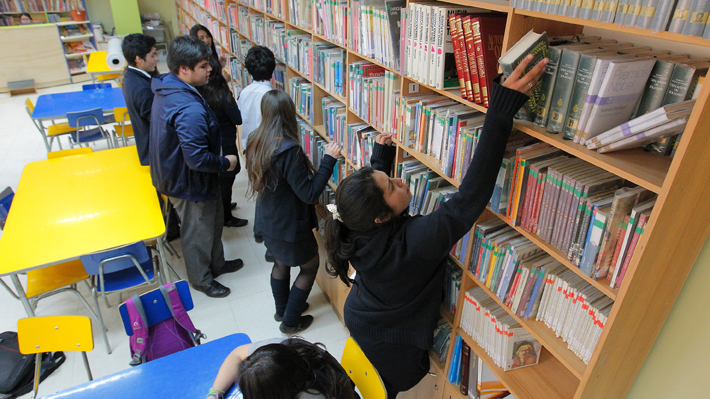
185,143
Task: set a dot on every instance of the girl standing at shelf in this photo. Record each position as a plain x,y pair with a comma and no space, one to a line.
217,62
287,186
400,259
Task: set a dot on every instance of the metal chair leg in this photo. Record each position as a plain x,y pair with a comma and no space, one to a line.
105,300
9,289
101,319
170,268
86,365
38,365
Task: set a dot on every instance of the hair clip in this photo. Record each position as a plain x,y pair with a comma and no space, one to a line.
334,210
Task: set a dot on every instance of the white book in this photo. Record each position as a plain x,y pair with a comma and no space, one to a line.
418,30
436,43
423,71
621,89
633,220
676,126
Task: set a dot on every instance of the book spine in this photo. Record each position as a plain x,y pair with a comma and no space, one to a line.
463,57
578,95
646,15
697,18
681,84
457,56
632,248
471,60
662,16
567,69
680,16
656,87
546,87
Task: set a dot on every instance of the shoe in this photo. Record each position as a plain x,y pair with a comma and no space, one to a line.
280,318
258,238
233,205
214,290
269,257
303,324
230,266
236,222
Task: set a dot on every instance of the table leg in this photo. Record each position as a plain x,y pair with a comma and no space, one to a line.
23,298
164,276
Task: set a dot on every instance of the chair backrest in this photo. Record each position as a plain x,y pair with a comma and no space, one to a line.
96,86
54,333
90,117
362,372
65,153
121,115
156,309
115,259
29,106
6,197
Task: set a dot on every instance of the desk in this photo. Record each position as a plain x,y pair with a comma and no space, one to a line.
97,65
56,106
187,374
70,206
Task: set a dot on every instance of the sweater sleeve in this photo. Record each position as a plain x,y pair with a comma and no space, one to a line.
296,173
145,102
382,157
191,126
432,236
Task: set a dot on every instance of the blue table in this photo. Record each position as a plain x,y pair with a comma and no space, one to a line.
187,374
56,106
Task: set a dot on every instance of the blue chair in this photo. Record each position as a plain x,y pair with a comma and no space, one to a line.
83,121
96,86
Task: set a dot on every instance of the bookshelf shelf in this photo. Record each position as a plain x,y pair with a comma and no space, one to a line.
78,55
493,5
429,161
66,39
666,36
635,165
65,23
323,38
454,94
372,60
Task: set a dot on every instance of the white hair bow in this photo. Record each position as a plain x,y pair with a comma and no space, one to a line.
334,210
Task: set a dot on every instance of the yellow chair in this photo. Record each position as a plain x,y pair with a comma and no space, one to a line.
36,335
109,76
52,131
123,130
362,372
66,153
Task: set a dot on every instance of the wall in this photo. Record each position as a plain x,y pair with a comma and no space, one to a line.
100,10
167,10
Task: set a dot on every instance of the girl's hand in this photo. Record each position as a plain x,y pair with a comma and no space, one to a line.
223,60
333,149
383,139
527,83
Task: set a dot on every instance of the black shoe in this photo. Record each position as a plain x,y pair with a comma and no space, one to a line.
280,318
303,324
258,238
269,257
230,266
236,222
233,205
214,290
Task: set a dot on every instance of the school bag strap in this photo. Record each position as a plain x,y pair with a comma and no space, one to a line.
139,325
177,310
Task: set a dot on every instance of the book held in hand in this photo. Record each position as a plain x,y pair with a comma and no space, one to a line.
533,43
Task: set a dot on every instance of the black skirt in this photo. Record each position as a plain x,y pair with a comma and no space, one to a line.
400,366
292,253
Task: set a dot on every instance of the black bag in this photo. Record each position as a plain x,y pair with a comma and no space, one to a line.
17,370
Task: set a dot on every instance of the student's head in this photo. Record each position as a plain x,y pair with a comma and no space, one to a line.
216,88
278,122
366,200
25,18
260,63
140,52
188,59
201,32
279,371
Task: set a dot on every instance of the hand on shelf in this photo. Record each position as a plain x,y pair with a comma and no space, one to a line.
333,149
384,139
527,83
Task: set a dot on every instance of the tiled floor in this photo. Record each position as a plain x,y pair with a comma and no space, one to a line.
249,309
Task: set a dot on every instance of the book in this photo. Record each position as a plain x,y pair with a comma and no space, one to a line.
471,60
662,16
627,237
656,87
638,232
671,128
646,14
394,18
547,84
533,43
682,82
680,16
594,238
488,33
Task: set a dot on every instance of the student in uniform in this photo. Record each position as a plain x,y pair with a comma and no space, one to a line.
400,259
283,368
287,186
217,62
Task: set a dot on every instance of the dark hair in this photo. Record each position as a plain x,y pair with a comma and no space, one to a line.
260,63
282,371
196,28
137,45
216,89
26,14
186,51
360,201
278,123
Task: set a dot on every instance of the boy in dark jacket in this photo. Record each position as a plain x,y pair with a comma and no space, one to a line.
185,161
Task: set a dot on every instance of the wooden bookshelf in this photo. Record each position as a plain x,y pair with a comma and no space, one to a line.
665,254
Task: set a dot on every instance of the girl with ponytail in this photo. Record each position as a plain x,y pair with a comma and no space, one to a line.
400,259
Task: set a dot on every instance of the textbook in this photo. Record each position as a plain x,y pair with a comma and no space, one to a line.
547,84
672,128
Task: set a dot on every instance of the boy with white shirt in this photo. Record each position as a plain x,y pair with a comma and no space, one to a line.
260,63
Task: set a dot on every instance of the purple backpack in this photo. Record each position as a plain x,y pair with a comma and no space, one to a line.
165,337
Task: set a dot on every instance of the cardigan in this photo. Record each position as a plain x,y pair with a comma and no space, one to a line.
400,266
285,209
139,101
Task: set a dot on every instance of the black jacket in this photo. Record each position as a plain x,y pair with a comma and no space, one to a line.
185,144
286,210
139,101
400,267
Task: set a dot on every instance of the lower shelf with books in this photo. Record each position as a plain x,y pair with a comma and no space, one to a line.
454,94
549,379
429,161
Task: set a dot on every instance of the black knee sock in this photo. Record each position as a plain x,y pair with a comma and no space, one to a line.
296,302
280,290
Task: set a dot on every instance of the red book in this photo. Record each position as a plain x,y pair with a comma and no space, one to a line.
463,56
457,55
539,192
471,59
619,244
488,33
643,219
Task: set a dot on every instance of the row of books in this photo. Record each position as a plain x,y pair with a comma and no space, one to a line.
273,7
574,206
328,197
239,46
314,147
330,20
509,344
279,76
74,30
375,30
452,286
334,120
299,52
360,141
474,379
687,17
300,13
239,74
301,92
23,6
374,92
215,8
329,67
84,46
442,337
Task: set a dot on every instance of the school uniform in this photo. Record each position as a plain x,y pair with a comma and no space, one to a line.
227,118
139,101
250,105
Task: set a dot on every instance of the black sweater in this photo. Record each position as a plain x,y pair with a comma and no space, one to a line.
139,101
400,269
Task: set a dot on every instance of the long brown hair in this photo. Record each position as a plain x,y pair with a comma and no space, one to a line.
278,123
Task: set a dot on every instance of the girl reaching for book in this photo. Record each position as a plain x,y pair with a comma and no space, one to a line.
400,259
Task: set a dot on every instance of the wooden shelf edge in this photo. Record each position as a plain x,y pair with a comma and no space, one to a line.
364,121
501,6
427,160
449,94
331,41
372,60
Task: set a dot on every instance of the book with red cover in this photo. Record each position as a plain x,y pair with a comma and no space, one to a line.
488,33
463,57
471,59
643,219
457,55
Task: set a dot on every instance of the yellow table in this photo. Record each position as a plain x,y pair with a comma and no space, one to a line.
97,65
70,206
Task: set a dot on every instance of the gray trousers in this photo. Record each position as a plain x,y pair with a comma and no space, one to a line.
201,233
